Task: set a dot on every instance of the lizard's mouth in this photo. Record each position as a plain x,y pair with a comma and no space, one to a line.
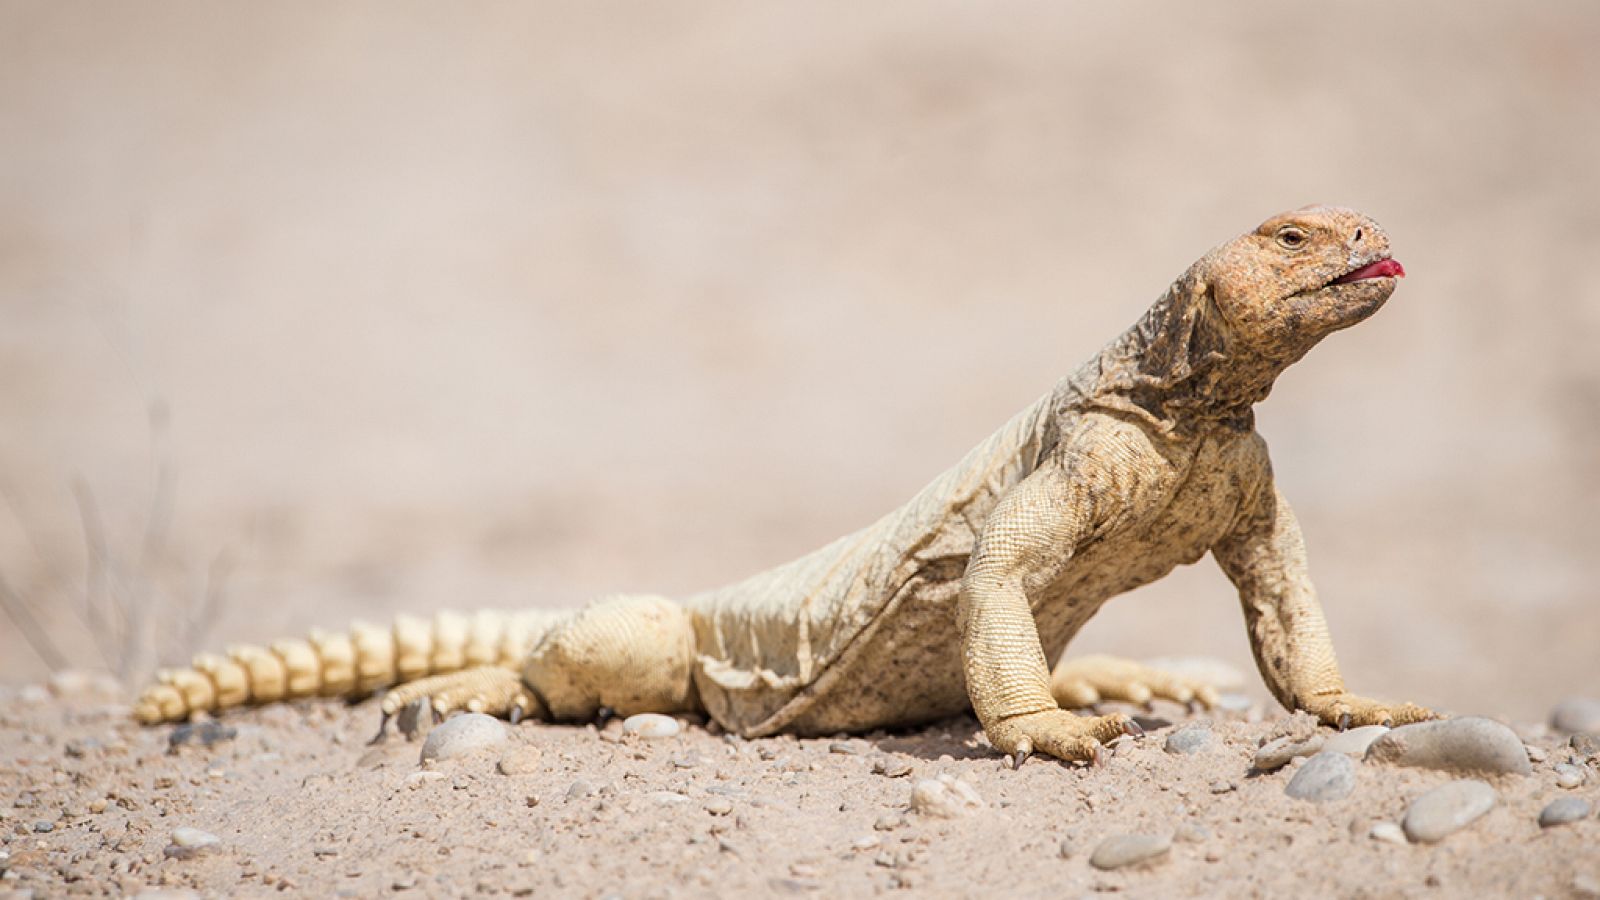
1383,268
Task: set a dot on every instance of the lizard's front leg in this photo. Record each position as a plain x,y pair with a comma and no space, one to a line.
1265,558
1027,539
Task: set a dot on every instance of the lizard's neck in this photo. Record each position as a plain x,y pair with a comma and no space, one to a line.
1173,371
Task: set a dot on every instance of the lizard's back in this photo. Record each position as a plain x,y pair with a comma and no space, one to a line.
769,645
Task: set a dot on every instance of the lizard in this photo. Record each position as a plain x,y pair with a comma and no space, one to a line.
1145,458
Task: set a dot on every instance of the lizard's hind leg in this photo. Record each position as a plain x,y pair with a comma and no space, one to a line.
629,654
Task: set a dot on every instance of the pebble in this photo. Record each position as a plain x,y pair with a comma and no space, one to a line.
1585,745
1471,744
580,789
1387,832
719,806
1191,833
1189,739
1580,714
416,780
1562,810
463,735
1235,703
43,827
1536,753
1121,850
1569,776
203,733
1447,809
1276,754
888,822
849,748
651,725
189,842
1355,741
866,842
1326,776
522,760
944,797
891,767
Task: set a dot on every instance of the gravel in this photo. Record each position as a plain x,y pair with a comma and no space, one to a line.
1447,809
1563,810
464,735
1325,777
1471,744
1121,850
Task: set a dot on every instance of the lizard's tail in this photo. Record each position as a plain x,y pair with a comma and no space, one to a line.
349,664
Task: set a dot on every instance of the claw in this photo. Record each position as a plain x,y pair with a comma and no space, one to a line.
383,731
1344,721
515,713
1388,723
1133,729
1018,758
409,714
1097,757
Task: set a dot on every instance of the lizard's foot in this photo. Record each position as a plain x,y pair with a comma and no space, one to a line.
1058,733
1088,680
1346,710
493,690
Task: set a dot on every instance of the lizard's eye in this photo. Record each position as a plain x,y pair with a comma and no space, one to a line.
1292,238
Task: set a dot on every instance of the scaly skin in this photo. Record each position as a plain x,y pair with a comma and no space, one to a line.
1144,459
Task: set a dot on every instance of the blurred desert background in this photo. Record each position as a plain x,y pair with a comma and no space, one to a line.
313,311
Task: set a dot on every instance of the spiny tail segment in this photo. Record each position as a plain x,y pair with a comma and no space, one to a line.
352,664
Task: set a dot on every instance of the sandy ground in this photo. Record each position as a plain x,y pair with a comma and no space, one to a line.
313,314
301,805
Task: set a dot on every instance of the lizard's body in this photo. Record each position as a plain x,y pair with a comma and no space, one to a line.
1145,459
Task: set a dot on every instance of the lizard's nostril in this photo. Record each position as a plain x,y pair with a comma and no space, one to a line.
1358,234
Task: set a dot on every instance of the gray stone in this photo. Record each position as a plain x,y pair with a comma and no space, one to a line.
1585,745
1388,832
1355,741
944,797
189,842
1189,739
1276,754
463,735
1326,776
1120,850
651,725
1569,776
1581,714
1447,809
1471,744
1563,810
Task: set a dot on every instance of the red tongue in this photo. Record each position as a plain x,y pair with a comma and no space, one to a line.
1383,268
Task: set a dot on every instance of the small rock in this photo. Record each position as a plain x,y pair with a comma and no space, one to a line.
1471,744
580,789
1065,850
1447,809
1576,714
1562,810
1355,741
463,735
1191,833
190,842
1326,776
1585,745
849,748
203,733
1388,832
1189,739
43,827
651,725
523,760
1569,776
866,842
1121,850
891,766
1223,787
416,780
888,822
1276,754
1536,753
718,806
944,797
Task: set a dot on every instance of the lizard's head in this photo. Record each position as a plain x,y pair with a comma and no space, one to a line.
1298,278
